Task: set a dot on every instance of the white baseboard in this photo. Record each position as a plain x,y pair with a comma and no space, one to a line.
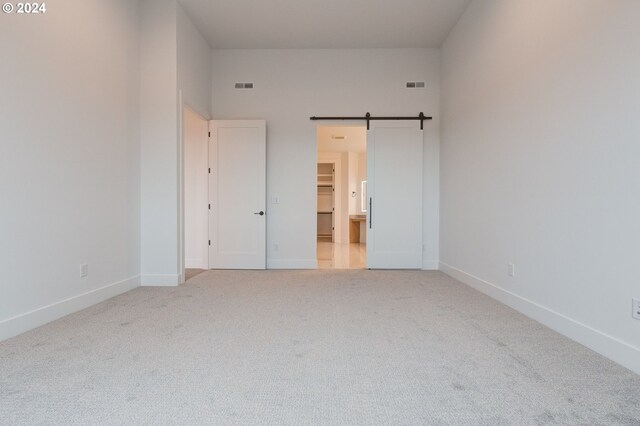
608,346
292,264
168,280
430,265
29,320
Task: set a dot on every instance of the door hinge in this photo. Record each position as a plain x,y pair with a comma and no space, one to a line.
209,169
209,242
209,134
209,206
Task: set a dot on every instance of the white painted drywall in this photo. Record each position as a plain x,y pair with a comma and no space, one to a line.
354,185
540,149
361,175
194,93
285,24
160,263
175,61
194,65
357,173
196,198
293,85
69,159
355,138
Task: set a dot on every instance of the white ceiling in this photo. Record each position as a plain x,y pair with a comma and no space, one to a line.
355,139
308,24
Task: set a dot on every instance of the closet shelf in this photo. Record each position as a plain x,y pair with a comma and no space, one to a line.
325,189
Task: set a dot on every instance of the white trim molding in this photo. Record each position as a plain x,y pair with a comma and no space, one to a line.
167,280
430,265
615,349
29,320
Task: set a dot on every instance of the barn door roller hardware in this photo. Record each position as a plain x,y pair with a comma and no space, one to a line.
369,118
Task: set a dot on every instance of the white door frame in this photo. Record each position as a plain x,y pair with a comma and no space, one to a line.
181,181
203,193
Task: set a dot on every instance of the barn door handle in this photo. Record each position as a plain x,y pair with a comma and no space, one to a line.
261,213
370,211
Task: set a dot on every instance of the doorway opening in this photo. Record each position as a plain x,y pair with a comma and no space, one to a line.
341,208
195,139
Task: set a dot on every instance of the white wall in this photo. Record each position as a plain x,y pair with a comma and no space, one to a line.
354,138
540,148
69,159
160,263
194,92
354,185
194,65
195,190
361,175
293,85
175,62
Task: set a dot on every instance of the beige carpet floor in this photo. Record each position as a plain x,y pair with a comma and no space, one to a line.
190,273
308,348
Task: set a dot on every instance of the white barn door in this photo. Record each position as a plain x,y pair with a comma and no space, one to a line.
394,195
237,188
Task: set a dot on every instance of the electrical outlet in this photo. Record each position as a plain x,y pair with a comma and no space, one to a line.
276,246
84,270
275,199
511,270
636,309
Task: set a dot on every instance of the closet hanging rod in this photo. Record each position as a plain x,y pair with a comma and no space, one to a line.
368,117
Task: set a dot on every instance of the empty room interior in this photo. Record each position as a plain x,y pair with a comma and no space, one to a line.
350,212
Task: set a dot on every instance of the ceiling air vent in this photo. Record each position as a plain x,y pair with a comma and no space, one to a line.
416,84
244,86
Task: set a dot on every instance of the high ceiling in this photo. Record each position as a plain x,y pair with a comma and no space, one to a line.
308,24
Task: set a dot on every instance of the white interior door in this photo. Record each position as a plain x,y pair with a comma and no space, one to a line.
394,195
237,186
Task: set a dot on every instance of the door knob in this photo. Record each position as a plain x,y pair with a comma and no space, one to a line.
261,213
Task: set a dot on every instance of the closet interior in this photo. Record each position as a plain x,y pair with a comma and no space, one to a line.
326,205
